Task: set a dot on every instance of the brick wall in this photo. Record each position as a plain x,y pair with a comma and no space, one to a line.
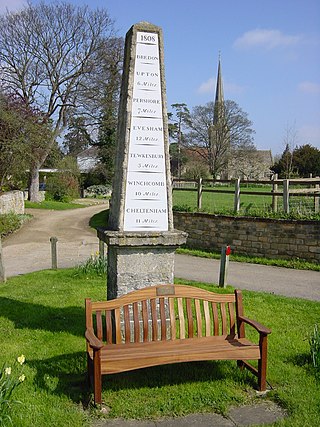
12,201
268,238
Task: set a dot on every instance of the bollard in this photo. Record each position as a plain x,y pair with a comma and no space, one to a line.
101,249
54,259
2,270
224,264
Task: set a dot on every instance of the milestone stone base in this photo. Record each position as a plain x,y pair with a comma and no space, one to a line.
137,260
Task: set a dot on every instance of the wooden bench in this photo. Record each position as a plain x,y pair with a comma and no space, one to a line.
169,324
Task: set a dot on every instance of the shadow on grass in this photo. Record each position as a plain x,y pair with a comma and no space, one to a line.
63,375
302,360
66,375
36,316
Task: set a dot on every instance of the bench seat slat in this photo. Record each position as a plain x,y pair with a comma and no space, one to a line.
126,357
172,318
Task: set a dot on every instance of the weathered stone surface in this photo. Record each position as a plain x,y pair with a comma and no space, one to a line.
12,201
253,236
137,260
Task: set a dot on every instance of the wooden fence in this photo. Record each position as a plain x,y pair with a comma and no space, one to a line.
284,189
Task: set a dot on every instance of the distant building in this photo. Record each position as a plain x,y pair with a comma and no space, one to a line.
250,164
88,159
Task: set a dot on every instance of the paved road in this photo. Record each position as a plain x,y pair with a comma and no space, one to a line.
277,280
29,250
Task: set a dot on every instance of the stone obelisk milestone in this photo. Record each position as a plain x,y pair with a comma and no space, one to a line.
140,235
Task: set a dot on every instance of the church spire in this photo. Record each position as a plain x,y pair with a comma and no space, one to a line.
219,98
219,88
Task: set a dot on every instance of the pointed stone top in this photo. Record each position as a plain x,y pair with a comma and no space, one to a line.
219,89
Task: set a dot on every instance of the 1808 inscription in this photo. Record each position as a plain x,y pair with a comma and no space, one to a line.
146,205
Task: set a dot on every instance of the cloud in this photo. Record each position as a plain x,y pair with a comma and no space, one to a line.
267,39
209,86
309,87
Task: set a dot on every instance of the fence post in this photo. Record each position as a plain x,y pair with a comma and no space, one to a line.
274,197
2,270
199,202
237,195
224,265
316,198
101,249
286,207
54,259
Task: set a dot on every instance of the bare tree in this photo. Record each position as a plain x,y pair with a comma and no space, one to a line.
47,51
215,141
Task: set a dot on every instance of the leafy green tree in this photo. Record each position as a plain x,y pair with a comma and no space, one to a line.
179,120
109,103
77,138
22,130
306,160
63,185
284,166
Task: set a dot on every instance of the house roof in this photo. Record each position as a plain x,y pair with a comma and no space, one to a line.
88,159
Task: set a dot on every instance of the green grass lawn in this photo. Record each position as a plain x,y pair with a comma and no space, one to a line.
42,317
214,202
250,204
52,204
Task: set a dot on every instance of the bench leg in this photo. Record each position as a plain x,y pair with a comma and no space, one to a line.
89,370
262,364
241,364
97,381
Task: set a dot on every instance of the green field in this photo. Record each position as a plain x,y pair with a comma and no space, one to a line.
250,204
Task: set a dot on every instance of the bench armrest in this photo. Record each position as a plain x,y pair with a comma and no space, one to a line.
260,328
92,340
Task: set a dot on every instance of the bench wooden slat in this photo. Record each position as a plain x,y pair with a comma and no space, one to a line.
181,291
109,337
117,319
198,317
215,319
154,319
140,355
136,322
126,318
223,318
232,319
145,320
163,319
182,326
207,318
189,318
99,325
172,316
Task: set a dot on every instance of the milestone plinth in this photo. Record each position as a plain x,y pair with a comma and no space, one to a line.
137,260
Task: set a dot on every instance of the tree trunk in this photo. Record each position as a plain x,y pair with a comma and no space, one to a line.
34,183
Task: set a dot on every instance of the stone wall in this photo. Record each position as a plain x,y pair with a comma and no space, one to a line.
284,239
12,201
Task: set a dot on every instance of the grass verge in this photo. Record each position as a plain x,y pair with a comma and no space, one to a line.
292,263
12,222
42,317
51,204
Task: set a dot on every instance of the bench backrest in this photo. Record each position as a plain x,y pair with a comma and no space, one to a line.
164,312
